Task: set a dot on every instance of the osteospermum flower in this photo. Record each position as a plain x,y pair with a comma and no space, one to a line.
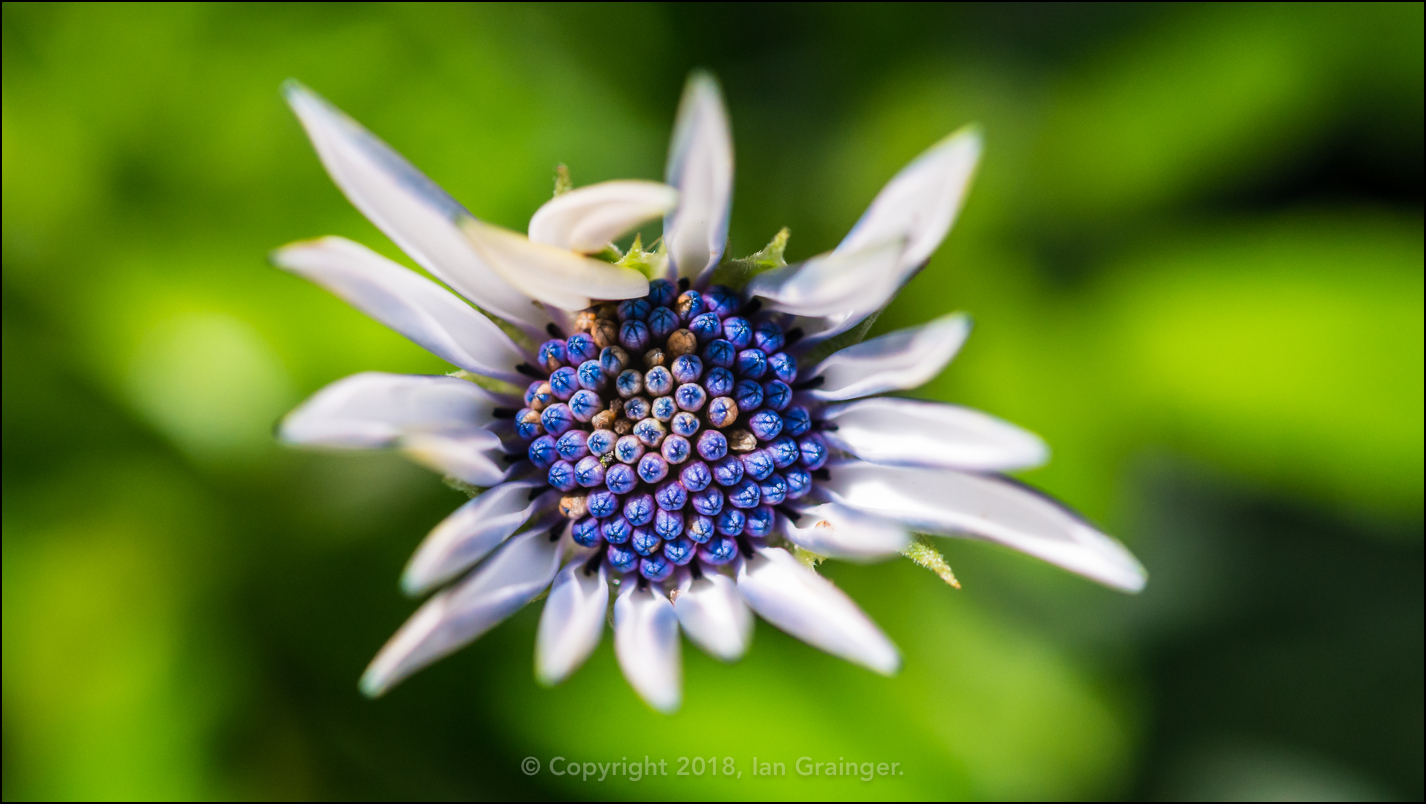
675,445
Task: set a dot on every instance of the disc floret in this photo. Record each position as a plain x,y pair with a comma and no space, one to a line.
668,423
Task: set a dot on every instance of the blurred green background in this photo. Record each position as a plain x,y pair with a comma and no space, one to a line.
1193,251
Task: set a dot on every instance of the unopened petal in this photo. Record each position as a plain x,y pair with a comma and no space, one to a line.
799,601
512,577
588,219
555,276
646,644
571,623
409,208
406,302
837,531
953,503
471,532
700,165
921,202
907,432
896,361
377,409
714,616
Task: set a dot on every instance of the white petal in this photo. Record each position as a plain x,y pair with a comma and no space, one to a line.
476,457
919,205
802,603
907,432
406,302
714,616
833,284
700,165
471,532
588,219
555,276
416,214
572,622
376,409
646,644
511,578
895,361
956,504
841,532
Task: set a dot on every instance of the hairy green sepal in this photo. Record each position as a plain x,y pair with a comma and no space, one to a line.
737,272
923,553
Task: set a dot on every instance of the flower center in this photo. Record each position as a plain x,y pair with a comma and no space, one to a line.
668,422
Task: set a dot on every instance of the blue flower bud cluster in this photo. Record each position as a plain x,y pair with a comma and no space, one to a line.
668,423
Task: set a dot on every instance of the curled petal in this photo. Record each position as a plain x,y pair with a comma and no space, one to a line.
850,285
799,601
892,362
555,276
511,578
841,532
571,623
906,432
700,165
472,531
713,615
952,503
409,208
475,457
588,219
376,409
646,644
920,203
406,302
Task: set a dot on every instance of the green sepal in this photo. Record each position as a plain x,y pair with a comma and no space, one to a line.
809,559
835,343
923,553
737,272
563,183
463,487
490,384
648,263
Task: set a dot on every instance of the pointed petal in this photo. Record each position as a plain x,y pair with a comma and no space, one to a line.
572,622
802,603
471,532
588,219
376,409
896,361
852,285
908,432
409,208
646,644
841,532
997,509
555,276
700,165
919,205
511,578
476,457
713,616
406,302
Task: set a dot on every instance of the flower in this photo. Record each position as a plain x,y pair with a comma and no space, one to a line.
676,441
